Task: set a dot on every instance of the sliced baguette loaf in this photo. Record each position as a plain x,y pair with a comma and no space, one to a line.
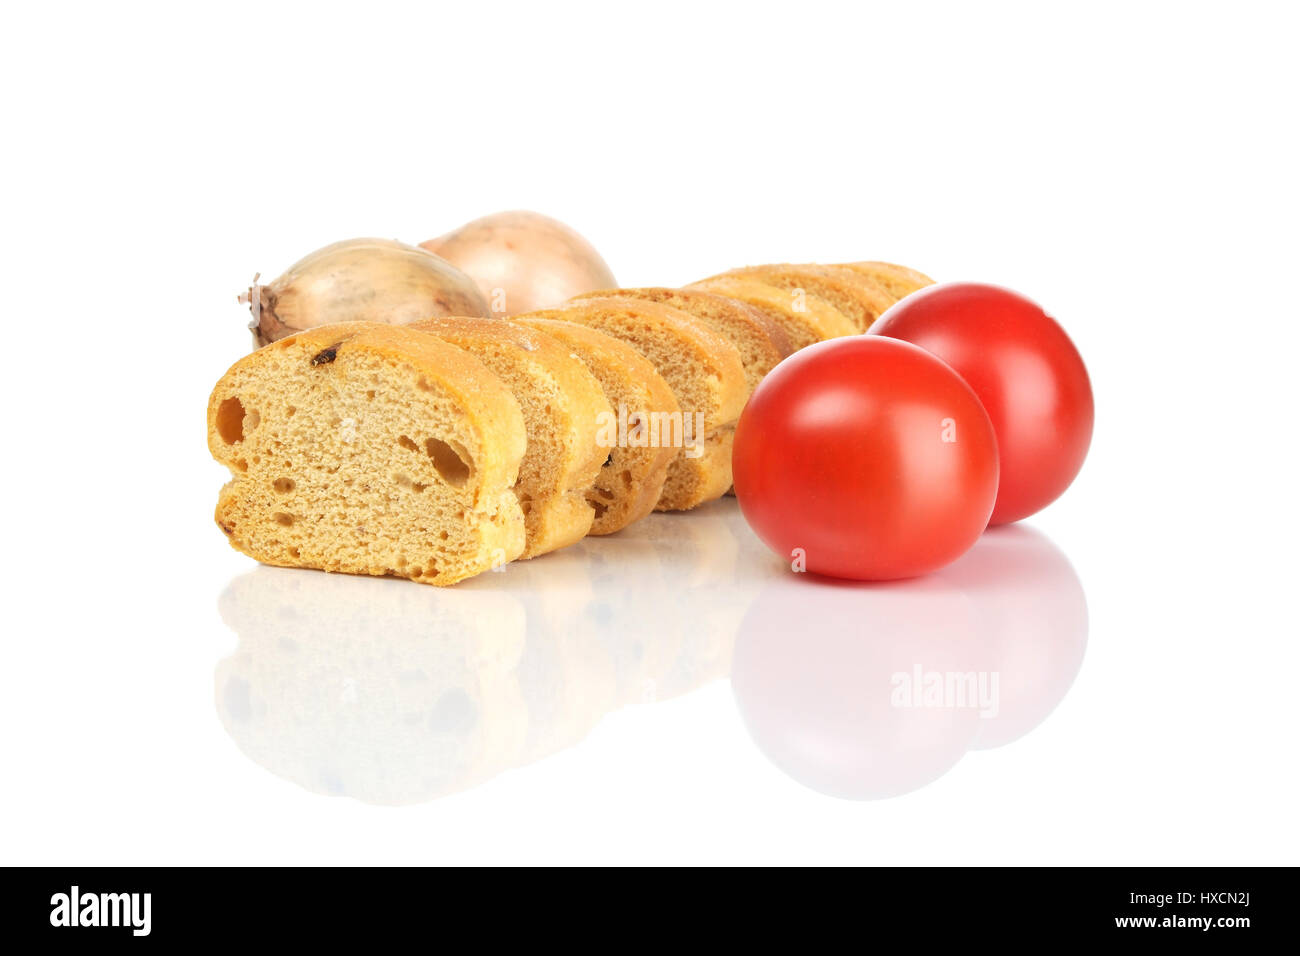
707,378
563,406
852,293
632,477
760,340
806,318
370,449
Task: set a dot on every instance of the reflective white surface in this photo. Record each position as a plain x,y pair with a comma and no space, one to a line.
390,693
675,694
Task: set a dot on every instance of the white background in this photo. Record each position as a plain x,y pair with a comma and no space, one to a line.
1131,166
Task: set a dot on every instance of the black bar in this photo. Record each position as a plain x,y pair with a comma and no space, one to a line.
925,906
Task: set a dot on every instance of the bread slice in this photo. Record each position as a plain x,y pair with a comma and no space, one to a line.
707,378
806,319
564,407
897,280
858,297
632,477
760,340
370,449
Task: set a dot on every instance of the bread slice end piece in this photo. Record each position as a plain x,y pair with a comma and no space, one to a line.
368,449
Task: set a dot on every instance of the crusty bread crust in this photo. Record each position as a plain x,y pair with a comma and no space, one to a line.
762,342
563,406
632,478
704,371
858,297
806,321
897,280
368,449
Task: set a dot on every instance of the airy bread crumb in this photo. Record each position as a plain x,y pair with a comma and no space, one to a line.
706,375
562,404
631,478
369,449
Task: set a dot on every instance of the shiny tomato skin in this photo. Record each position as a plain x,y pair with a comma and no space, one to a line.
1026,371
867,458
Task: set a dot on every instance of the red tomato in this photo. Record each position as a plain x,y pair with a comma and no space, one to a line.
866,458
1025,370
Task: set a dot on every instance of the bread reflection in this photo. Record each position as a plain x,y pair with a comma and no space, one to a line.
865,691
395,694
370,688
391,694
710,584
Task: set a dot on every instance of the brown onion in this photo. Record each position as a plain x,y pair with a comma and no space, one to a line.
372,280
524,261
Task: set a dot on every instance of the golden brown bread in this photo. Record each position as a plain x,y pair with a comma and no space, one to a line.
806,318
632,476
762,343
706,375
369,449
897,280
852,293
563,406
